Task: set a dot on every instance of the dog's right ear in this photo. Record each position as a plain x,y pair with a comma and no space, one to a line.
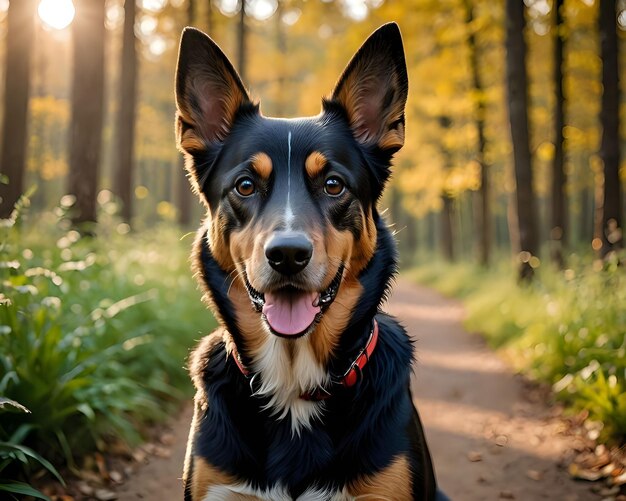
209,93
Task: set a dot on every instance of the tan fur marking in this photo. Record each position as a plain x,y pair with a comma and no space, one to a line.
325,338
247,249
393,138
262,164
205,475
392,484
365,248
218,246
314,164
352,93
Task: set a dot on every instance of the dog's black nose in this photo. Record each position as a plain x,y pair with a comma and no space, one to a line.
288,253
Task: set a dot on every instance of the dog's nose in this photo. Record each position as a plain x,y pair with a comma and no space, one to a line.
288,253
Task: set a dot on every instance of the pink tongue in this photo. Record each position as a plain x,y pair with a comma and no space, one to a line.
290,314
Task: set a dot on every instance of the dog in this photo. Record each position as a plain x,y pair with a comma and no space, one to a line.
303,392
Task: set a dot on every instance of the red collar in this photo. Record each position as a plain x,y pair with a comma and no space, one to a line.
349,379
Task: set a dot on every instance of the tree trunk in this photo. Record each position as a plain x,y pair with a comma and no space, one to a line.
19,37
281,47
126,115
87,108
612,238
484,213
209,17
518,117
558,213
447,213
184,194
242,33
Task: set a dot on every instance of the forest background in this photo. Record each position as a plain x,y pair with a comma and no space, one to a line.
509,192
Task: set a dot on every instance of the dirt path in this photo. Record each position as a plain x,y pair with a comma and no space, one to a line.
487,441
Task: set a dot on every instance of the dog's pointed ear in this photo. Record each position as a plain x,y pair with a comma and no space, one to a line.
373,90
209,93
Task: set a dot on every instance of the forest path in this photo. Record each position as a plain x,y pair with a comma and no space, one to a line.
487,440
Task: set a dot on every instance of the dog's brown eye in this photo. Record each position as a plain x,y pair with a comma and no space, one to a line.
245,186
334,186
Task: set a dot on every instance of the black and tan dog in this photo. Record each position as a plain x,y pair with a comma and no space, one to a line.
303,392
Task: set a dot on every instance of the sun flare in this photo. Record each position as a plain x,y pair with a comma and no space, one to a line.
57,14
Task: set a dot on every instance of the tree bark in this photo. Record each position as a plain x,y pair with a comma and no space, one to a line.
518,116
558,230
126,115
447,213
184,194
20,34
87,108
612,237
484,214
242,34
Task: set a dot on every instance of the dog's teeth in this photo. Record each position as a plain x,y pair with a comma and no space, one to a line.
316,301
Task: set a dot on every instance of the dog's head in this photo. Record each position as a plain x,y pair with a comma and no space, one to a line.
292,202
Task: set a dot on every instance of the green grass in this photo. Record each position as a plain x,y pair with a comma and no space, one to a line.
94,334
568,328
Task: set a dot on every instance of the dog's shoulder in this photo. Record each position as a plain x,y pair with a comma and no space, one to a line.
209,357
396,344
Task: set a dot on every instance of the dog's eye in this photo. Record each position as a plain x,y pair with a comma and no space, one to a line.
245,186
334,186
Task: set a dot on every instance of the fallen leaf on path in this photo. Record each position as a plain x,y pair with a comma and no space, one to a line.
474,456
620,479
116,476
101,465
85,488
501,440
507,495
609,491
534,475
105,495
581,473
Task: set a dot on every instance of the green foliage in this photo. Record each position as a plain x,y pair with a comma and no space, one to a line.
568,328
11,452
94,332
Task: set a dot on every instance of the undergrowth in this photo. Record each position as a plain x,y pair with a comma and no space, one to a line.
94,335
567,328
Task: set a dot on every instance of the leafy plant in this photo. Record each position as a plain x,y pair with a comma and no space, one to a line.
94,332
12,453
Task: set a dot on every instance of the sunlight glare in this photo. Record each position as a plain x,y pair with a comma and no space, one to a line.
261,9
57,14
154,5
355,9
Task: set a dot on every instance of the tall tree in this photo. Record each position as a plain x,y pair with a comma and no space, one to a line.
20,34
184,192
447,232
517,88
126,114
209,16
612,237
484,212
87,108
242,35
559,202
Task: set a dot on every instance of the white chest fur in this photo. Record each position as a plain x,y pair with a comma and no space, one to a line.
278,493
288,368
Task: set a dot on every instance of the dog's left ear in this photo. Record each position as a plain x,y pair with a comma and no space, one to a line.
373,90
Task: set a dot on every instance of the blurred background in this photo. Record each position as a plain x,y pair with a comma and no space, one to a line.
97,77
509,191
